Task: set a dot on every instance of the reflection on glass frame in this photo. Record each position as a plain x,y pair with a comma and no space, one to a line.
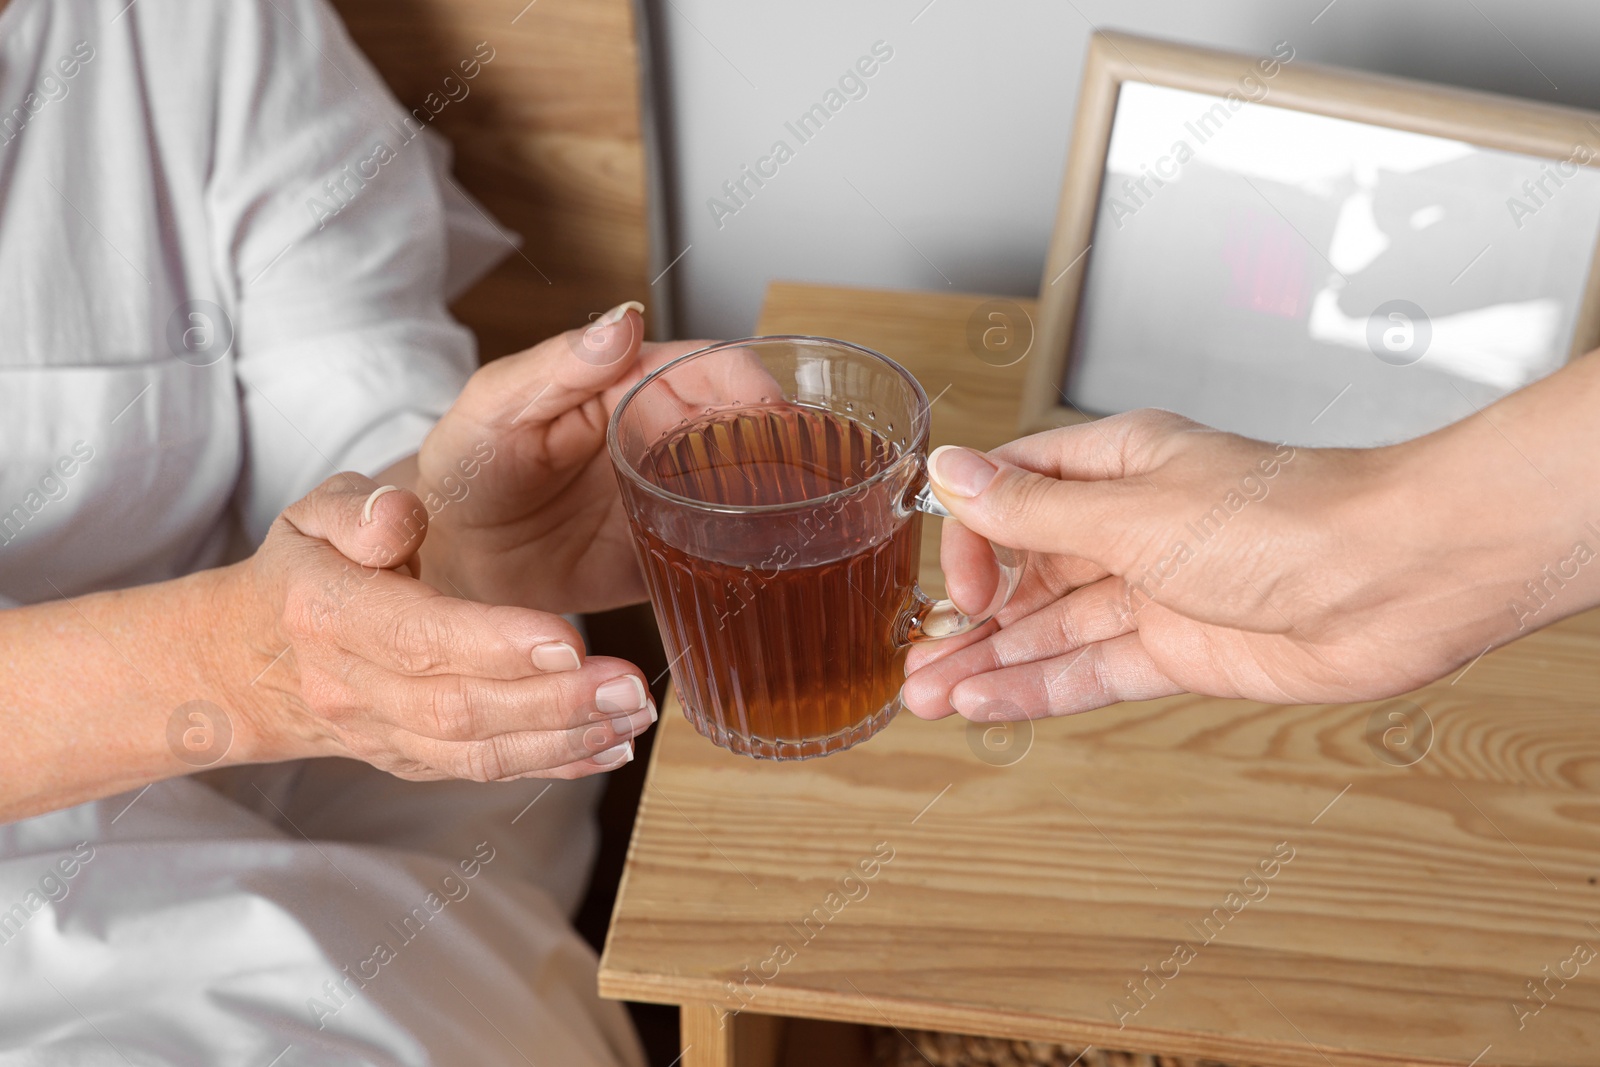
1309,255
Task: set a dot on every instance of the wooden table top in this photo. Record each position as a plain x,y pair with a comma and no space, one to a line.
1284,885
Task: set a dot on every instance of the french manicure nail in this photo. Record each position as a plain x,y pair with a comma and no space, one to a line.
621,694
961,470
637,723
556,656
366,509
615,755
614,316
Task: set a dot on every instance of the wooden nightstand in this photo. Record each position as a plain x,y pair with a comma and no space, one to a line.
1046,885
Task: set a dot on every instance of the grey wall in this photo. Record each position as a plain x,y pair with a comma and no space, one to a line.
945,174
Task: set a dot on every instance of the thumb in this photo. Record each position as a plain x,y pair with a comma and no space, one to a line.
541,383
1017,507
612,340
375,526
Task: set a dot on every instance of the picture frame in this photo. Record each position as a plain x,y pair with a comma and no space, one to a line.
1501,130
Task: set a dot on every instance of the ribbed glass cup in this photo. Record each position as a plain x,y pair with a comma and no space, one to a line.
772,486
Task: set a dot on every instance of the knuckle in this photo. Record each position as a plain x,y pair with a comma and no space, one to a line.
1157,421
311,607
1149,436
593,740
1068,632
1164,419
1026,500
1123,606
1061,680
451,709
419,640
343,483
481,761
1105,686
327,493
563,701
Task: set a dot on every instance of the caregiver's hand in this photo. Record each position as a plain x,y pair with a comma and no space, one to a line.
1171,557
524,505
355,658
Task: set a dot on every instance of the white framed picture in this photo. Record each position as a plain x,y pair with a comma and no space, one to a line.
1310,255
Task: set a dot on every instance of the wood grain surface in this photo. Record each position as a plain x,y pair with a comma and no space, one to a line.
1437,867
550,138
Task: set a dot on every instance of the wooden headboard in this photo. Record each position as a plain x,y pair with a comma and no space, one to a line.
550,136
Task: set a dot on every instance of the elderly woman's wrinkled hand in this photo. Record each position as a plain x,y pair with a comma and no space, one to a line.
515,477
352,656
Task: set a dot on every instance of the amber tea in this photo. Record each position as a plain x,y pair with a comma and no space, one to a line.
794,638
775,487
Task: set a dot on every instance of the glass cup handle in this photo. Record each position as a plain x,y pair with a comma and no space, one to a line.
932,619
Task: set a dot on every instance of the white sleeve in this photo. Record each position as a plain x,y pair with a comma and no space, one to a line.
329,229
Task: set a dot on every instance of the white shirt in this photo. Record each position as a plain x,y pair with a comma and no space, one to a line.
160,154
195,330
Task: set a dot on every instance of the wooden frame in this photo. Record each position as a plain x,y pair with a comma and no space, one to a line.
1482,119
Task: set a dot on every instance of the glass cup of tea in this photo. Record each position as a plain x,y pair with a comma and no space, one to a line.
775,487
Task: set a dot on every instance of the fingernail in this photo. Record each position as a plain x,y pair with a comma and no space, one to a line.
961,470
615,755
966,702
614,316
556,656
621,694
366,509
637,723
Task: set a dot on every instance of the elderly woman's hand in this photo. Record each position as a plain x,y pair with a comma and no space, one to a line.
353,657
515,477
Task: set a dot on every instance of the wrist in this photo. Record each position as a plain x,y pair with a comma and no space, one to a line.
1478,522
244,658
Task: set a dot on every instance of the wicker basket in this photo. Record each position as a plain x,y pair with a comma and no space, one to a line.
919,1048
